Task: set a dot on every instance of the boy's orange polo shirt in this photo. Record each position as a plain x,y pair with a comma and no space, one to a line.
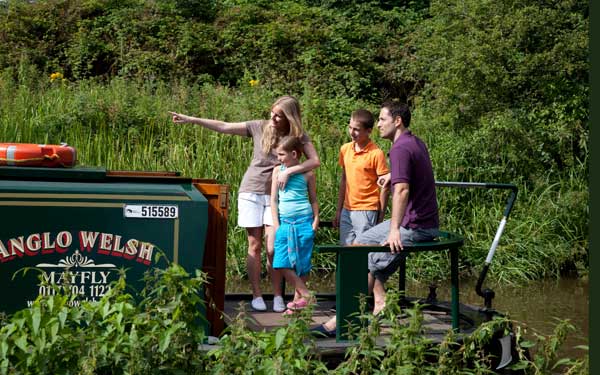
362,170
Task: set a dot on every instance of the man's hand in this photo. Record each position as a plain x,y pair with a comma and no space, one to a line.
394,240
384,180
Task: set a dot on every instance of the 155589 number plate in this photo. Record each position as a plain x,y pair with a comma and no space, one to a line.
151,211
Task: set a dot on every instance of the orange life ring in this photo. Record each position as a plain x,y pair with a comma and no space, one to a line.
32,155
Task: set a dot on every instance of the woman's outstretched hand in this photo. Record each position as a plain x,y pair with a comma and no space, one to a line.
178,118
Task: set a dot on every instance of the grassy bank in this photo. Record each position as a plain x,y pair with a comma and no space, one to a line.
123,125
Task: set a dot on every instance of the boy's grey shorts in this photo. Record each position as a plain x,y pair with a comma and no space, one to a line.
383,265
353,223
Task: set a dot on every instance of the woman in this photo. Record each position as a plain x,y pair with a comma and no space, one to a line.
254,211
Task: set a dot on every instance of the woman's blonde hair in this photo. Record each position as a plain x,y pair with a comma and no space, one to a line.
291,110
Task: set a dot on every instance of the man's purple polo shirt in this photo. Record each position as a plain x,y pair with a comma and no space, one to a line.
410,163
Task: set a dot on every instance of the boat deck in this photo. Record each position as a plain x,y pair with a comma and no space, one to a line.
436,324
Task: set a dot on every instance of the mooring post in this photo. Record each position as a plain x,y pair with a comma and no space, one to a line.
454,282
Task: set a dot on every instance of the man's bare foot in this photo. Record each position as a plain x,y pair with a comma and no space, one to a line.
378,308
330,326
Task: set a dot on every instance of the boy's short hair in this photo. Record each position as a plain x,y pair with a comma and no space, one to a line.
364,118
290,143
398,109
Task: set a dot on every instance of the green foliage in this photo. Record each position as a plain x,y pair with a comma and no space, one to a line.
545,360
365,356
292,46
116,335
287,350
164,333
408,351
106,38
500,88
287,45
509,78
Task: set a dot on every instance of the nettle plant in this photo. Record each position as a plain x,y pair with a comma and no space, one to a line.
161,330
116,335
287,350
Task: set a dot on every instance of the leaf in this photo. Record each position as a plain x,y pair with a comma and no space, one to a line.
521,365
105,310
20,322
3,349
9,329
527,344
39,344
133,336
36,317
164,341
21,342
62,317
53,331
279,338
561,362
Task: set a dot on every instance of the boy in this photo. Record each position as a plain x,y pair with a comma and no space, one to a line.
361,204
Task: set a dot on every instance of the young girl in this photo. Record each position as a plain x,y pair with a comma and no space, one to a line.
295,220
254,212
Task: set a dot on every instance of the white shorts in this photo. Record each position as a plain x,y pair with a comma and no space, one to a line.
254,210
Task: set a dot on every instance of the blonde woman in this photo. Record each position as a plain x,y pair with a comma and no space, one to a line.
254,200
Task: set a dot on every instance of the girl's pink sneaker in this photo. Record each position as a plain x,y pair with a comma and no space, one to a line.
288,312
298,305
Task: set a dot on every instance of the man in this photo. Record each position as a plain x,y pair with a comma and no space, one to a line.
414,215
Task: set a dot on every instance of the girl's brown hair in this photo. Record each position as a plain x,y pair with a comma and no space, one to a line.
290,143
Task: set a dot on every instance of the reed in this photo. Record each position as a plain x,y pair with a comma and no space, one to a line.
124,125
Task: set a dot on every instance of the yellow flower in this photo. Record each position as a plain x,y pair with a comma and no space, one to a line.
56,75
253,82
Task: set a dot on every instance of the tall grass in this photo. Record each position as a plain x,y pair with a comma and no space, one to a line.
124,125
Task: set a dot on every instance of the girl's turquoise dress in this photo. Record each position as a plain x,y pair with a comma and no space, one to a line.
295,237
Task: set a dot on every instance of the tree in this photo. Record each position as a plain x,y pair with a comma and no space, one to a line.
510,70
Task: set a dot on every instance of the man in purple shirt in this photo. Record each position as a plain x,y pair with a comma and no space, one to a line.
414,205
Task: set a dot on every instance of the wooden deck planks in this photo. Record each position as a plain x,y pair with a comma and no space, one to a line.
435,324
